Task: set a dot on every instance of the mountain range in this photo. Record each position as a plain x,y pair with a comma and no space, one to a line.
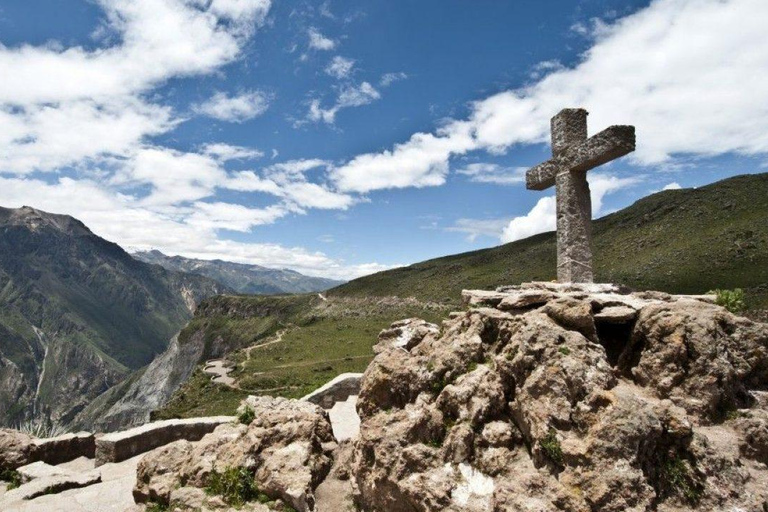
78,314
242,278
81,320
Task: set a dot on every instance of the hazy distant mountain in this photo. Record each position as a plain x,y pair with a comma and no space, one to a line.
78,313
250,279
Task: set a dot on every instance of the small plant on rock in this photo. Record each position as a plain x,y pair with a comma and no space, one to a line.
564,350
11,476
732,300
247,416
551,447
154,506
235,485
677,477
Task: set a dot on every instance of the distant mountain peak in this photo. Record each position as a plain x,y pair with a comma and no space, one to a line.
34,220
242,277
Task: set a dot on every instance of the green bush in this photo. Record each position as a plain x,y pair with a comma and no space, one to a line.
552,448
732,300
11,476
235,485
247,416
153,506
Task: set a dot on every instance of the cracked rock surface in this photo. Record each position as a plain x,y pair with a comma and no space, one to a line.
549,397
287,449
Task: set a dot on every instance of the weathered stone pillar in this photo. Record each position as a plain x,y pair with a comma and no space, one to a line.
574,234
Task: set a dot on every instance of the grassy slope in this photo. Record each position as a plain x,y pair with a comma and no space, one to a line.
684,241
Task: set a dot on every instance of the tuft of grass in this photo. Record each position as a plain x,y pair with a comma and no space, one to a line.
564,350
154,506
236,486
11,476
676,476
41,428
551,447
247,416
732,300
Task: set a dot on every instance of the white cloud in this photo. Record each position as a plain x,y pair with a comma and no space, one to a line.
96,122
340,67
672,186
493,173
235,109
420,162
474,228
349,96
318,41
225,152
189,232
668,69
542,216
388,79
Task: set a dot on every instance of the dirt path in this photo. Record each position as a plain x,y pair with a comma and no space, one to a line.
220,372
278,338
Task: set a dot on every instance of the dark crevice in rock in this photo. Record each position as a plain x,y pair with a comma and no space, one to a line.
615,339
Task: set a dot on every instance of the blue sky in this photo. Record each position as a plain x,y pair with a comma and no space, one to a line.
345,137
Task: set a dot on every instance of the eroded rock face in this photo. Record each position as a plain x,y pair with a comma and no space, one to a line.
567,397
287,448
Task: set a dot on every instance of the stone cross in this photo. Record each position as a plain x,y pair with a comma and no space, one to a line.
573,154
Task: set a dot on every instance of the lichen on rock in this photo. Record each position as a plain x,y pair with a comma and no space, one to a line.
566,397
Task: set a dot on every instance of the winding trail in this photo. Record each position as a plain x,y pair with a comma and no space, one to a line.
219,370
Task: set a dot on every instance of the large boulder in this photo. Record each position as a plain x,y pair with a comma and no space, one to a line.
285,452
566,397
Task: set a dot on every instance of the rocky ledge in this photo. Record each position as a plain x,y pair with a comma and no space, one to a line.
547,397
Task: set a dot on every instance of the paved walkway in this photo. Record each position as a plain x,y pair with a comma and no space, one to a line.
113,494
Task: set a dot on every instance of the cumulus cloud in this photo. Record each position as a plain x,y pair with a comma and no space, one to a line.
349,96
340,67
681,103
493,173
86,140
318,41
542,217
672,186
234,109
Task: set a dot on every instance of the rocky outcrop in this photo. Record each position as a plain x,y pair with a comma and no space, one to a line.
285,452
577,398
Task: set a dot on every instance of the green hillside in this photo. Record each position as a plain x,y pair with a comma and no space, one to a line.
684,241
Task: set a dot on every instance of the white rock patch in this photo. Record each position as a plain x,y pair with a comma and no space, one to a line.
475,491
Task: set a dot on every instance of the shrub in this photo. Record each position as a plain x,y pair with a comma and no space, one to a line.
235,485
11,476
551,447
247,416
732,300
564,350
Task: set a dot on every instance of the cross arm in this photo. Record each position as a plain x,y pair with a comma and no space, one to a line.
609,144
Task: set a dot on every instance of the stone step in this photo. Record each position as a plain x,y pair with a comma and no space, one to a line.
119,446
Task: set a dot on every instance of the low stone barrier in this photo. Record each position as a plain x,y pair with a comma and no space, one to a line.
336,390
55,450
119,446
